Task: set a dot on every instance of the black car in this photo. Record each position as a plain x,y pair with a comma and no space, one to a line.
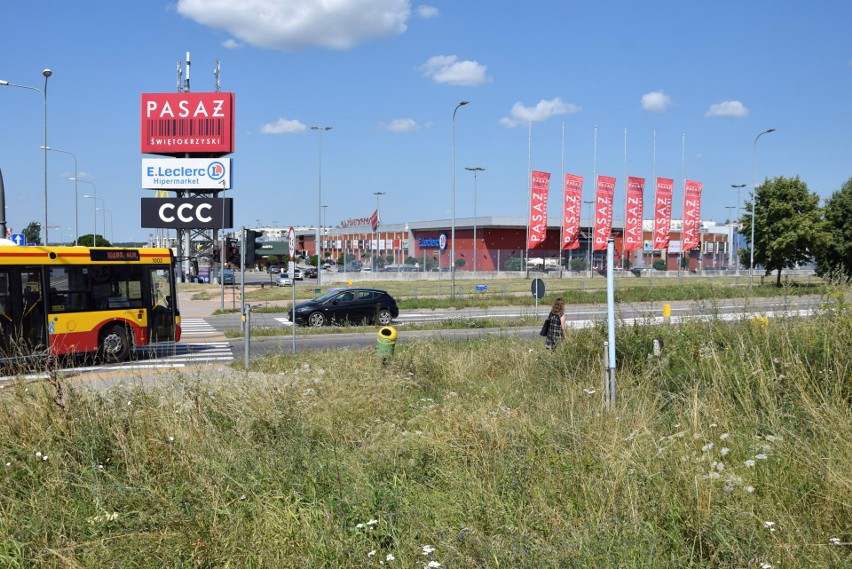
351,305
310,273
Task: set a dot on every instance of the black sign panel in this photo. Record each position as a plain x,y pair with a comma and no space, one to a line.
187,213
113,255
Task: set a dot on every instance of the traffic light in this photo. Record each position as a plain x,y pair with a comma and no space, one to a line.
253,246
232,252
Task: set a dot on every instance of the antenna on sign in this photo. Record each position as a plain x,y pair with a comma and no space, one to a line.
216,75
179,76
186,89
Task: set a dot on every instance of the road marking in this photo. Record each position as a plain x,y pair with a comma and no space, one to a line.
196,327
284,321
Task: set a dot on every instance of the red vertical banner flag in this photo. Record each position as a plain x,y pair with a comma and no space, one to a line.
603,211
572,205
633,217
540,185
663,213
691,215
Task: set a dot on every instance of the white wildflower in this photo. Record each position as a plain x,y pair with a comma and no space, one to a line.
427,549
724,436
760,456
390,557
749,489
749,463
707,447
724,451
372,522
834,541
433,564
370,554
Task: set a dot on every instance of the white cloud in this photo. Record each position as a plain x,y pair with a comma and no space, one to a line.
400,125
427,11
231,43
283,126
521,115
656,102
727,109
448,69
297,24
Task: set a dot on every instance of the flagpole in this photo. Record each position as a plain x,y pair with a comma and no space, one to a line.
529,200
594,205
562,206
626,189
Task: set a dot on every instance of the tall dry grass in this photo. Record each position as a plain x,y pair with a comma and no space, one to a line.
732,449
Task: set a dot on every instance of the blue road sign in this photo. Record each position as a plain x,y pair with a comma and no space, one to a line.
18,239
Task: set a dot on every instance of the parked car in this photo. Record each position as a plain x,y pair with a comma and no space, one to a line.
273,269
285,280
228,277
351,305
298,275
310,272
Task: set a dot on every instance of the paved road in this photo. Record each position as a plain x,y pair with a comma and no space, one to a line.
204,343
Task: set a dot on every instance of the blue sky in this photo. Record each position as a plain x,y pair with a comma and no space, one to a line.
704,78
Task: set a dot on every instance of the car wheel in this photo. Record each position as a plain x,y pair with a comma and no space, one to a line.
316,319
385,317
115,344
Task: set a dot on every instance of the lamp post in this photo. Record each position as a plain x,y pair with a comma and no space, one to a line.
453,229
732,243
105,211
738,187
71,154
376,231
47,73
474,170
320,130
95,209
754,203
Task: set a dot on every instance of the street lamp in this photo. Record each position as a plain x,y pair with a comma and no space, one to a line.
106,211
95,209
376,231
738,187
732,243
76,223
96,200
453,230
320,130
753,204
474,170
47,73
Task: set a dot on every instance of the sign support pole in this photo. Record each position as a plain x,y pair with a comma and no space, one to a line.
242,270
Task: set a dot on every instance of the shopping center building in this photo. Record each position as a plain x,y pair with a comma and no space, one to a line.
487,243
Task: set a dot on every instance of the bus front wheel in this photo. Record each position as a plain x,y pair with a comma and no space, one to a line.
115,344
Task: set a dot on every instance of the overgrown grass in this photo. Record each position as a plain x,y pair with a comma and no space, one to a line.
731,450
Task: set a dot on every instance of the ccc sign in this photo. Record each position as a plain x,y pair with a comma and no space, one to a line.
187,213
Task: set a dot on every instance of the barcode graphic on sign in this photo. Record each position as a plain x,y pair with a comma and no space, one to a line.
185,127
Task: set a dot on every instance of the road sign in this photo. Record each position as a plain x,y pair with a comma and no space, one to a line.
291,241
18,239
537,288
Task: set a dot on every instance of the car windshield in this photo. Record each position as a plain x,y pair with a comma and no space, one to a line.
327,296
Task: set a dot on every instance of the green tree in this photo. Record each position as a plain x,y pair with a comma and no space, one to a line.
86,241
659,265
579,264
32,232
836,253
410,261
788,225
513,264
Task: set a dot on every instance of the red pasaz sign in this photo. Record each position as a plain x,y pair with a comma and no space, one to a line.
187,123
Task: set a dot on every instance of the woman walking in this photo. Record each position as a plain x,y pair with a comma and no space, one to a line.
556,328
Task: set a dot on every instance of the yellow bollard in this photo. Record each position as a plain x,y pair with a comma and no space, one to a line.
667,313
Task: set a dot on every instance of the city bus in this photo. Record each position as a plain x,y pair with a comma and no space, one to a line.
57,301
